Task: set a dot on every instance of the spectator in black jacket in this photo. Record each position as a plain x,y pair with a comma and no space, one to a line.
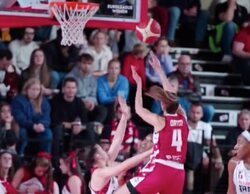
69,116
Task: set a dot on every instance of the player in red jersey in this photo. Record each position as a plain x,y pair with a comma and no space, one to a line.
164,173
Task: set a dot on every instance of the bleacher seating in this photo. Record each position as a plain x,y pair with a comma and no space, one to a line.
219,86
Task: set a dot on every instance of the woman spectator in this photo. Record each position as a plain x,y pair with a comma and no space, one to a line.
36,178
32,112
38,69
9,129
161,50
70,166
112,85
100,51
6,170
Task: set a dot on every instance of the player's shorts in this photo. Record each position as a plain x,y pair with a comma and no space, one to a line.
162,179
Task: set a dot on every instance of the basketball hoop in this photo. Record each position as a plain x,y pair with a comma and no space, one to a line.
73,17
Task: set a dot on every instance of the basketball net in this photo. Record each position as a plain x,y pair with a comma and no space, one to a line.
73,17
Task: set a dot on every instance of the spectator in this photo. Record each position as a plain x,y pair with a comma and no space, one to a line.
161,50
8,75
36,177
9,129
160,14
135,58
174,9
32,113
60,59
69,117
217,167
230,15
110,86
87,88
241,51
100,51
232,135
69,165
131,138
189,86
22,49
6,170
38,69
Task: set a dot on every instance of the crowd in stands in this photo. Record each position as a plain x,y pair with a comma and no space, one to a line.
55,99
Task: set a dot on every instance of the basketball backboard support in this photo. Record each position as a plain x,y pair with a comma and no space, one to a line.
116,14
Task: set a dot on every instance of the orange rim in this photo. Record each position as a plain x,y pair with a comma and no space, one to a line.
73,5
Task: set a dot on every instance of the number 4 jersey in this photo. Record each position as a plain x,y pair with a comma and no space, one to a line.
170,144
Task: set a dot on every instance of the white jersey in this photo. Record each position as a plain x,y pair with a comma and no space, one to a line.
2,188
241,179
65,190
112,186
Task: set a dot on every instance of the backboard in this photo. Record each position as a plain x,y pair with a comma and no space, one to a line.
118,14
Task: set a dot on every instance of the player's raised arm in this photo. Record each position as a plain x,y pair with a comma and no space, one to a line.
120,131
145,114
156,65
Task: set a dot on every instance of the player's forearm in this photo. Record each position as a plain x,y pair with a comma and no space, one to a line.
118,138
138,99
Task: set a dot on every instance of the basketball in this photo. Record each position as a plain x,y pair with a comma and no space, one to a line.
148,32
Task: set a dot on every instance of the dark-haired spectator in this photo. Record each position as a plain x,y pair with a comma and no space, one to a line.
231,15
60,59
9,78
38,69
36,177
241,51
9,129
87,88
112,85
203,129
32,113
69,115
6,172
70,167
100,51
161,50
22,49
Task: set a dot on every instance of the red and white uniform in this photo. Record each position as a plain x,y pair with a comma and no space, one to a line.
66,189
241,179
110,188
131,137
164,173
6,188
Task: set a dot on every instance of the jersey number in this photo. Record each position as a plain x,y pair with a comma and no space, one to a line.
177,140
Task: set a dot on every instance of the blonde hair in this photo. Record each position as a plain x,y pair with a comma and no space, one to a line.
37,103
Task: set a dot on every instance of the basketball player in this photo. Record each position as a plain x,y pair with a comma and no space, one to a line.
104,170
239,166
164,173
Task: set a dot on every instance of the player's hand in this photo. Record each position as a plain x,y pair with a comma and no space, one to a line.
154,62
135,75
124,107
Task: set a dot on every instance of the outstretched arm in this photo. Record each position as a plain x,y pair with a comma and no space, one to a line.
120,131
145,114
155,63
124,166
